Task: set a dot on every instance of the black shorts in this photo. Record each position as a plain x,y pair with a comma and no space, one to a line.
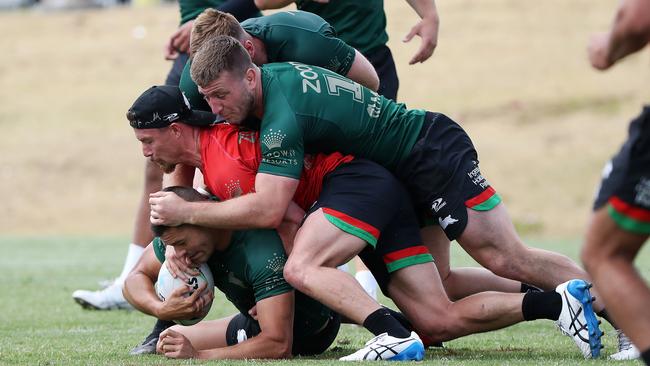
382,60
242,327
443,177
364,199
625,186
174,75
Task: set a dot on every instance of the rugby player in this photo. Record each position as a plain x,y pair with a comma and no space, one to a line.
346,219
247,268
362,24
620,223
284,36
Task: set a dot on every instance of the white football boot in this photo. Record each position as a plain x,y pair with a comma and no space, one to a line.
626,350
577,318
384,347
110,298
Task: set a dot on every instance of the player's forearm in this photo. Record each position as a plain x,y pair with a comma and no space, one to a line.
260,346
272,4
631,30
245,212
139,291
424,8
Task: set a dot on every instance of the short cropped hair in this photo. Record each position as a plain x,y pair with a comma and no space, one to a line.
212,23
186,193
220,53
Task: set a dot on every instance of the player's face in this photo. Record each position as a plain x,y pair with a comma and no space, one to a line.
158,146
192,243
229,96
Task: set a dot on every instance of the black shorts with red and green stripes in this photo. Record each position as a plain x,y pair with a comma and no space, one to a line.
625,186
442,175
364,199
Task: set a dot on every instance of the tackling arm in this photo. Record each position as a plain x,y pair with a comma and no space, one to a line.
264,208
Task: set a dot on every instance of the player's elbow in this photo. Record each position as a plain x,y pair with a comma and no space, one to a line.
265,4
373,82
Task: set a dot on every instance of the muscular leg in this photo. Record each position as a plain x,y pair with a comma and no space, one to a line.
153,176
608,254
490,239
426,305
463,281
318,248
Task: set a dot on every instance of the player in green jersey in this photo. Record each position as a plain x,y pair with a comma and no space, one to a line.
362,24
284,36
247,268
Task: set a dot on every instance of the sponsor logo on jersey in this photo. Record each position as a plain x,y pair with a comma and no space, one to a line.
446,221
276,263
374,108
273,139
234,188
642,190
477,178
246,136
438,204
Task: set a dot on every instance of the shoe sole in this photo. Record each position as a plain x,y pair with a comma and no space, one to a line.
580,290
88,306
414,352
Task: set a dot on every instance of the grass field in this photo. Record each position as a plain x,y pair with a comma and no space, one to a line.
514,73
41,325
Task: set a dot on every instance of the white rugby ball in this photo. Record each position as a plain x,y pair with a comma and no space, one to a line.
166,284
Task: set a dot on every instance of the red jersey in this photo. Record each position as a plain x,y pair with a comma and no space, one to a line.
231,157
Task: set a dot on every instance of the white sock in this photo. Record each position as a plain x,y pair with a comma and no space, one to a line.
368,282
132,257
343,267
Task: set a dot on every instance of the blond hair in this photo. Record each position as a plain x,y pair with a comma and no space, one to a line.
220,53
212,23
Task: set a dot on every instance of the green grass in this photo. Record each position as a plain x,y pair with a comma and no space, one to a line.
41,325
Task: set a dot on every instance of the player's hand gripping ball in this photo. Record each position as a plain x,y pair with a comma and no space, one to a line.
167,284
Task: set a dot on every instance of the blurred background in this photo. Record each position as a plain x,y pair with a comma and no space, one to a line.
514,73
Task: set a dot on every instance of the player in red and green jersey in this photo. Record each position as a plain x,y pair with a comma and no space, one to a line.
361,208
284,36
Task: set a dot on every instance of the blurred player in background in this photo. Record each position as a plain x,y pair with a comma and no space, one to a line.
362,25
620,223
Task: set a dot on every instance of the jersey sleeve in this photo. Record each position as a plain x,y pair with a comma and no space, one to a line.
159,249
281,138
337,55
191,90
266,259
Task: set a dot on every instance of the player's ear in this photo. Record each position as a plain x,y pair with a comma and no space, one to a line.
250,48
175,128
251,73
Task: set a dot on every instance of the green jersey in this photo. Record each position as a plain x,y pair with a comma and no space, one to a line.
308,109
190,9
360,23
288,36
250,270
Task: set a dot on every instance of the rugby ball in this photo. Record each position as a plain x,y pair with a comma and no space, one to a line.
166,284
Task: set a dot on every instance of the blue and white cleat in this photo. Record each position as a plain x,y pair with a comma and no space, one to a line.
386,348
577,318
